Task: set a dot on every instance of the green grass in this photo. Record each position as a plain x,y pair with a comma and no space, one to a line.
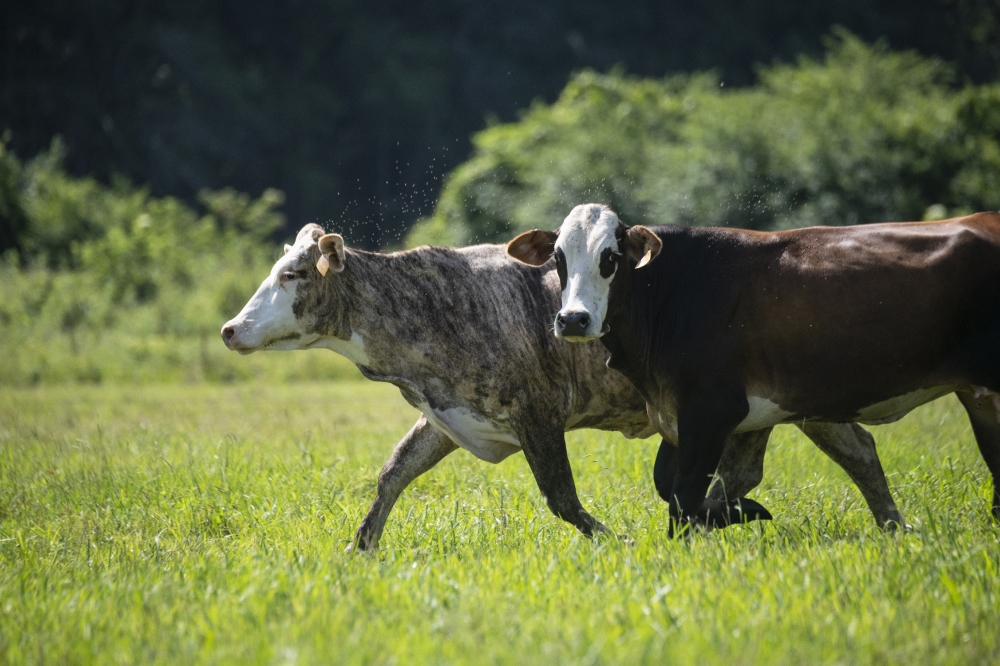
41,356
207,524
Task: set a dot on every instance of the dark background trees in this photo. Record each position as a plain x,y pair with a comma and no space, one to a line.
864,134
356,110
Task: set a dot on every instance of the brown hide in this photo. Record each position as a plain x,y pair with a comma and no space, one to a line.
827,324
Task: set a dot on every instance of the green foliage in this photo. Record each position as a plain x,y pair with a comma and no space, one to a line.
236,211
207,524
864,135
110,283
12,218
355,109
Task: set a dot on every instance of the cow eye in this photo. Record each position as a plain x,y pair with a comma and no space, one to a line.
561,268
608,262
289,275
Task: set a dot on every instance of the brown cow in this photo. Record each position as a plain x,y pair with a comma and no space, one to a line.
728,330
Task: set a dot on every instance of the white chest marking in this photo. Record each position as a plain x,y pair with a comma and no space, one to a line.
476,434
665,422
353,350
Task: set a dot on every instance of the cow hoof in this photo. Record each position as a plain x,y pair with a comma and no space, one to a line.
625,539
718,514
893,526
601,532
360,545
596,530
685,528
746,510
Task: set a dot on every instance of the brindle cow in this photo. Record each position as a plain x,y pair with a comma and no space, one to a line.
464,335
727,331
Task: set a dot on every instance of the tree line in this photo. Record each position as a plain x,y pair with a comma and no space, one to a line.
357,110
864,134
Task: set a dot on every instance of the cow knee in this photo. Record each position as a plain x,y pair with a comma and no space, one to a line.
750,478
665,469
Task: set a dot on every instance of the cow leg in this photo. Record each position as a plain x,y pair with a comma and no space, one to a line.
853,448
665,469
422,448
702,433
545,450
740,470
984,413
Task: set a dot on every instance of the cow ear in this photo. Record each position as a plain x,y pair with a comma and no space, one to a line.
312,231
332,248
642,245
533,247
287,248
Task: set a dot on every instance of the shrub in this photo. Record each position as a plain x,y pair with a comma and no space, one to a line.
107,282
864,135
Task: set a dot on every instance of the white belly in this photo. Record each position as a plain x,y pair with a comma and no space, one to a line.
896,408
483,438
763,414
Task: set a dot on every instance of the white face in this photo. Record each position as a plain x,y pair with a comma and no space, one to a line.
587,257
267,320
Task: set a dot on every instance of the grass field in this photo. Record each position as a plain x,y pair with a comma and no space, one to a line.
207,524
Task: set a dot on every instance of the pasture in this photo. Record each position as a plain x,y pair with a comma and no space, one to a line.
207,523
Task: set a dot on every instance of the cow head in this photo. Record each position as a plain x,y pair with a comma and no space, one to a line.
283,313
589,248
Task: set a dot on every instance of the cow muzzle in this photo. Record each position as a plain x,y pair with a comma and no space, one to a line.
574,324
231,336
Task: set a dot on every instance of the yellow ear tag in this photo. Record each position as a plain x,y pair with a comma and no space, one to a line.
646,259
323,265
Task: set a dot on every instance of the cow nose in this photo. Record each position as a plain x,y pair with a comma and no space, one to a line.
227,334
573,324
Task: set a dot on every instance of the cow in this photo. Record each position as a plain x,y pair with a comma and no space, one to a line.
464,335
726,331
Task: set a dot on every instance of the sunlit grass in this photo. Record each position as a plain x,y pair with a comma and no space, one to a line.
203,523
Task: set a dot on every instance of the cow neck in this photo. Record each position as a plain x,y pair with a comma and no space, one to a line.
381,304
640,302
364,293
623,340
